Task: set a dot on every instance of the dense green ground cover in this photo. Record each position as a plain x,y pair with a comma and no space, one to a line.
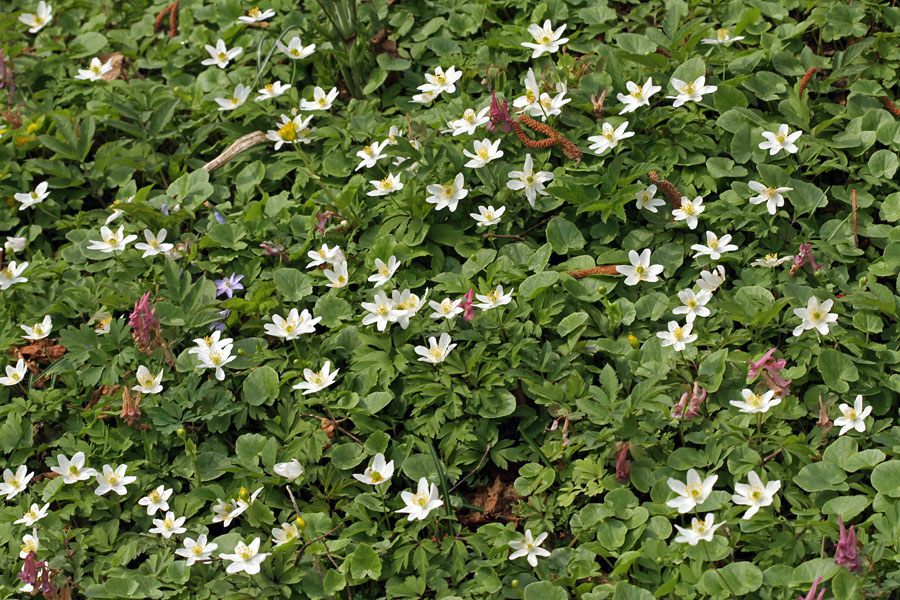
372,357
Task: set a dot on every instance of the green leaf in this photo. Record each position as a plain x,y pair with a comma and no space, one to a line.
886,478
634,43
627,591
364,563
737,578
563,236
837,369
537,282
248,448
292,285
390,63
712,369
883,164
334,580
261,386
820,476
86,44
347,456
544,590
571,322
846,506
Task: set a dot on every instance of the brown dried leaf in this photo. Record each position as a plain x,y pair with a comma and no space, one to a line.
118,66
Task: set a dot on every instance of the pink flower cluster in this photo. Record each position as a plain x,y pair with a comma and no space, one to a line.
771,369
691,401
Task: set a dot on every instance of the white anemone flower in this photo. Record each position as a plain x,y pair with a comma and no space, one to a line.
436,351
377,472
36,196
646,199
640,268
853,417
692,492
238,98
291,131
485,152
95,71
321,100
317,380
690,91
756,495
220,55
609,137
637,95
339,276
381,311
39,19
469,122
33,515
441,81
295,50
715,246
529,180
494,298
815,316
272,90
529,548
292,327
421,503
756,403
723,36
73,471
13,483
14,374
38,331
384,271
216,357
446,309
677,336
370,155
196,550
290,470
169,525
285,534
488,215
156,244
771,196
692,305
246,558
699,531
113,480
546,39
12,274
254,15
780,140
689,211
147,382
447,195
383,187
113,241
157,500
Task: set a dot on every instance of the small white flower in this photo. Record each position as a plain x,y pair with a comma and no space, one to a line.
780,140
155,243
377,472
14,244
494,298
320,101
421,503
324,255
370,155
381,311
288,532
385,186
112,241
12,274
110,480
73,471
254,15
339,276
39,20
406,305
853,417
715,246
39,330
646,199
640,268
441,81
14,374
447,195
116,213
528,547
168,526
423,98
435,352
678,337
95,71
291,131
637,95
33,515
693,305
317,380
13,483
689,211
147,383
216,357
530,103
272,90
469,122
196,550
157,499
384,271
771,260
240,95
711,280
295,50
529,180
691,493
219,55
447,309
700,530
815,316
546,39
485,152
690,91
246,558
36,196
30,543
722,37
295,325
771,196
487,216
754,403
756,495
609,137
290,470
550,106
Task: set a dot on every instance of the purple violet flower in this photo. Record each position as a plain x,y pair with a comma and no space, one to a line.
811,595
144,324
164,209
219,218
220,325
229,285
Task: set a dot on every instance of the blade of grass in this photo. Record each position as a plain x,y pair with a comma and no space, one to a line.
444,489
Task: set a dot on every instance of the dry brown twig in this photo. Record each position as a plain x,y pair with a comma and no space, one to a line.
892,108
241,144
172,11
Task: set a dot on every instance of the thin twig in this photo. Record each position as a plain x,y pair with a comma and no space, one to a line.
855,231
473,471
314,557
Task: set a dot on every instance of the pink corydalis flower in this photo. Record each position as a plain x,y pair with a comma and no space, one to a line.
466,304
499,116
274,249
322,220
689,404
144,324
804,255
623,465
811,594
846,555
771,368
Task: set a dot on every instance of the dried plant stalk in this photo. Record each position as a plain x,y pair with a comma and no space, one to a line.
553,137
599,270
667,188
890,106
806,78
241,144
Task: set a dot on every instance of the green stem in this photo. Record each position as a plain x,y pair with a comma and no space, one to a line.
721,578
445,490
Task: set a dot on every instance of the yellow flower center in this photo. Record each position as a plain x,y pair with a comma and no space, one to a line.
288,131
436,352
376,477
112,478
678,333
484,153
383,271
420,499
295,52
694,490
197,549
779,138
755,494
851,414
447,190
815,315
529,95
713,243
253,12
155,497
722,34
244,551
222,56
687,208
755,400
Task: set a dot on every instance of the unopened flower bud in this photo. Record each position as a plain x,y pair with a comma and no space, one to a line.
301,524
244,494
344,223
633,340
515,583
181,433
